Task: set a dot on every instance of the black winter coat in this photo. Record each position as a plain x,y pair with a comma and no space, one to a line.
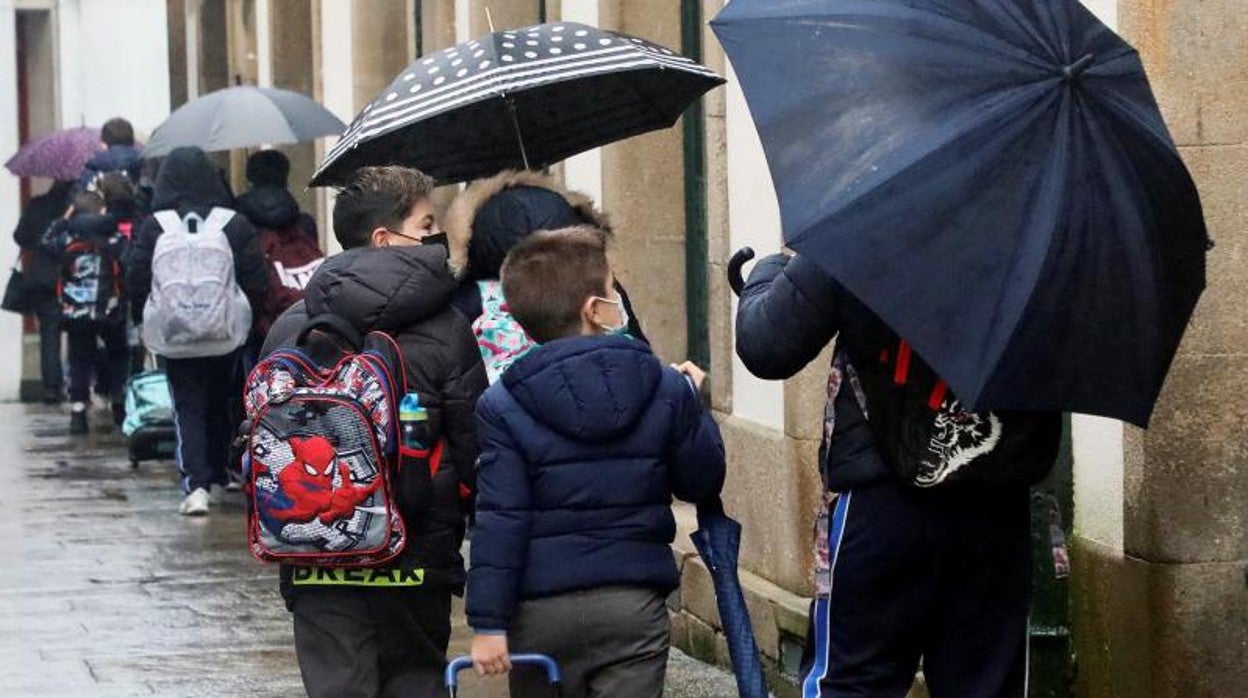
275,208
41,211
188,182
790,310
584,442
405,292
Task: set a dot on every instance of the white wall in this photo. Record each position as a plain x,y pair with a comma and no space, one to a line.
10,324
114,62
583,172
337,88
754,220
1097,442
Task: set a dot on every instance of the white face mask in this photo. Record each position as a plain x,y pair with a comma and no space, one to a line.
621,328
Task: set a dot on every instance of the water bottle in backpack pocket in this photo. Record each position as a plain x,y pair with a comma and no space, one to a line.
421,448
196,307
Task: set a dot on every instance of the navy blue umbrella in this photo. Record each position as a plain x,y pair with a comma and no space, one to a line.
992,178
718,540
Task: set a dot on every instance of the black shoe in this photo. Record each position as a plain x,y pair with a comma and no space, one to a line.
119,413
78,422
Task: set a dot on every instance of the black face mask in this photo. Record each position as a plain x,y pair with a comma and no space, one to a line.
439,239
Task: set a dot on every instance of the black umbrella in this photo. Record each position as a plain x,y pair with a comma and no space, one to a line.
992,178
718,540
243,117
518,99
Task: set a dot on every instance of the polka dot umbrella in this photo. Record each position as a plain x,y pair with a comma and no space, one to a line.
518,99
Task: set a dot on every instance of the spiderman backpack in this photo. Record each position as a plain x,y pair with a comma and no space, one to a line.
322,451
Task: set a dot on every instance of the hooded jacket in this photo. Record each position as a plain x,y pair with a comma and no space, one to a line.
188,182
790,310
491,215
406,292
584,442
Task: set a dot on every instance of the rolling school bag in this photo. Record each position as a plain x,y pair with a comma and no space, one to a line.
547,664
149,427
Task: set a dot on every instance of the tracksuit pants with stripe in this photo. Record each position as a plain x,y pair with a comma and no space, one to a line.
940,576
203,392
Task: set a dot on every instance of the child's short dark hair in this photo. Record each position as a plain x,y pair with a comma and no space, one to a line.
548,275
377,197
117,131
88,202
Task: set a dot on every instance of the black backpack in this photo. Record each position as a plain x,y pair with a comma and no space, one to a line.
927,437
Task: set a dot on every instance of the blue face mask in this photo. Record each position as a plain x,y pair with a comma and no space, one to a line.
620,329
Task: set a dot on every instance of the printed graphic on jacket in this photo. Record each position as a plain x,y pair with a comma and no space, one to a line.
500,338
297,278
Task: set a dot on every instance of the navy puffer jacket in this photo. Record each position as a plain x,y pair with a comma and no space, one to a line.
583,444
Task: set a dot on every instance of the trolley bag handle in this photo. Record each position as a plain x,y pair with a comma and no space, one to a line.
458,664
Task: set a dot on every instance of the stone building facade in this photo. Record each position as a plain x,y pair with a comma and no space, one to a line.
1160,605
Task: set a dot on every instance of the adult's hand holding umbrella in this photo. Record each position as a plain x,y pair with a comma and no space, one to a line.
994,179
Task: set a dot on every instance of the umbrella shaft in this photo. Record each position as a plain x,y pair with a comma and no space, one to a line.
515,126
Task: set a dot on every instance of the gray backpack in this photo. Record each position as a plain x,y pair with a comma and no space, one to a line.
196,308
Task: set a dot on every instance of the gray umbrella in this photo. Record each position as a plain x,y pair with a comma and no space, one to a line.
243,117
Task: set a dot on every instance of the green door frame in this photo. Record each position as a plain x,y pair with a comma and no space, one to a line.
696,248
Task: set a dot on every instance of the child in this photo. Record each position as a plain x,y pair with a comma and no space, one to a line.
384,631
88,248
584,442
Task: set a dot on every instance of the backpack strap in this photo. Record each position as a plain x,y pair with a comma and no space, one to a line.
169,221
218,218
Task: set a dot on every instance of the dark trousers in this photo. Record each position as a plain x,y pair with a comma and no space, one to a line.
611,641
203,393
49,315
372,643
941,574
87,359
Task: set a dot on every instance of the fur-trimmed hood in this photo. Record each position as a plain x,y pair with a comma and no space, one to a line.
498,222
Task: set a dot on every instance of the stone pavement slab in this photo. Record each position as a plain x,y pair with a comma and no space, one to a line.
106,591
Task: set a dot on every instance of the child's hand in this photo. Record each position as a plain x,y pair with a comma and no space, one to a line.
489,654
691,369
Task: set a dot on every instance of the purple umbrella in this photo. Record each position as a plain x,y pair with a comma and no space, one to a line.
58,155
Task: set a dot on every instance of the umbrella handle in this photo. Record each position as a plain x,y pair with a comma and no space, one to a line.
739,258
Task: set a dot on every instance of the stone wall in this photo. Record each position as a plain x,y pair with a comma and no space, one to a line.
1168,614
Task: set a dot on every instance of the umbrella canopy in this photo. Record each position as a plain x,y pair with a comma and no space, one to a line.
243,117
993,179
59,155
518,99
718,540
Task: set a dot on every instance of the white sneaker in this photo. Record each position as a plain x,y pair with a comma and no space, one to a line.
195,504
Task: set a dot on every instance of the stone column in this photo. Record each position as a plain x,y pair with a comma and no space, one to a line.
643,191
1167,615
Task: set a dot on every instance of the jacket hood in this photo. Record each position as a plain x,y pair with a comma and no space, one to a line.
188,179
269,206
386,289
490,215
586,388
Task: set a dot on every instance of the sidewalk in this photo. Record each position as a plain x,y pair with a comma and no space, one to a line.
106,591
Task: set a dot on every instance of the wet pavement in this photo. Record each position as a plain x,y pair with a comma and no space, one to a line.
106,591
